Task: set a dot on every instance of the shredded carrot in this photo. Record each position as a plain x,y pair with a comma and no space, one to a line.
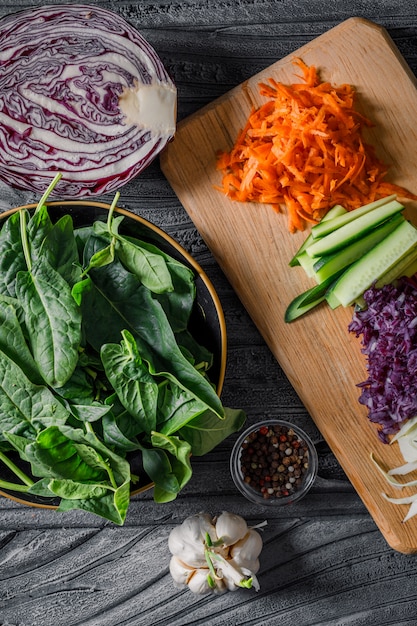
304,149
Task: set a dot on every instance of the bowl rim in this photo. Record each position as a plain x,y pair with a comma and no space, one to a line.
192,262
249,493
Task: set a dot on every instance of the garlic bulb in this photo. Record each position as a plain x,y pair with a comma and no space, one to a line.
214,555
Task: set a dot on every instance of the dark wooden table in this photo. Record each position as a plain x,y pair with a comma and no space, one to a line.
324,561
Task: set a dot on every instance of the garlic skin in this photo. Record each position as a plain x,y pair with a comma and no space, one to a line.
214,555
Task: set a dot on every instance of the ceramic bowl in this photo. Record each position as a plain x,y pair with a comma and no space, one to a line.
207,323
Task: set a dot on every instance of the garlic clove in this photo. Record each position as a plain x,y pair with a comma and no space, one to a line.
232,575
187,540
180,572
230,528
239,563
176,540
249,547
190,553
192,557
179,542
228,582
195,527
198,582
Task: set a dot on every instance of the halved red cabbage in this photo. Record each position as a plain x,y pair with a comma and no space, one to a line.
388,327
82,93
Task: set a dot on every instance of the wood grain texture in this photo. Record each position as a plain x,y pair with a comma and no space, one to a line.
253,246
325,562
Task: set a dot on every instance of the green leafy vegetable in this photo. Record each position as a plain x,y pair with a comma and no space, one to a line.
52,319
25,408
129,375
97,363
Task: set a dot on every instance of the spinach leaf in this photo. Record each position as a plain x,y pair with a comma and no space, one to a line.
53,321
178,296
167,463
71,490
55,454
178,303
118,434
130,377
12,258
16,442
157,465
13,343
130,306
206,431
79,388
114,505
89,412
80,287
60,249
40,488
102,257
177,407
148,265
25,408
37,228
120,431
82,471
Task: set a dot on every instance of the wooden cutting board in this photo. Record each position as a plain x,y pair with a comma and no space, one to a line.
252,245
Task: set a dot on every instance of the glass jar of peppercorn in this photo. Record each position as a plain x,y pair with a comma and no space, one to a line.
273,462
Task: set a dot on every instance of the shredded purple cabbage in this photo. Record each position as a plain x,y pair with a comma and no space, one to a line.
388,327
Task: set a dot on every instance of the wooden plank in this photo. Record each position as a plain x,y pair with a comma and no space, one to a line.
252,245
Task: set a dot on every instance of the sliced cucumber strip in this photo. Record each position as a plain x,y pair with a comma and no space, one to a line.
411,269
329,265
373,265
360,304
332,299
307,300
407,266
335,211
296,308
323,228
353,230
307,263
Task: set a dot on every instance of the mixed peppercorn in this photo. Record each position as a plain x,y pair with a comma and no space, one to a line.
274,461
